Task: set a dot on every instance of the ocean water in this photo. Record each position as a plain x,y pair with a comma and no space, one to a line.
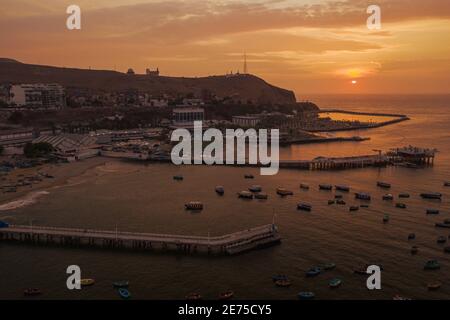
144,197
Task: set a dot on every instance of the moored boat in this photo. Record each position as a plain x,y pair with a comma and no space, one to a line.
121,284
284,192
330,202
341,202
220,190
338,196
443,225
255,188
404,195
386,218
227,295
432,265
414,249
245,195
328,266
364,206
400,298
304,186
178,177
304,207
434,285
32,292
87,282
342,188
400,205
441,239
353,208
261,196
447,184
388,197
431,195
411,236
279,277
314,271
432,211
362,196
327,187
194,205
306,295
383,185
249,176
283,283
447,249
124,293
193,296
334,283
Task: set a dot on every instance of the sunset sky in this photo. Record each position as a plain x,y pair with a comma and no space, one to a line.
309,46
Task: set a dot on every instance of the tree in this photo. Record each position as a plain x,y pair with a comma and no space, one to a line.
36,150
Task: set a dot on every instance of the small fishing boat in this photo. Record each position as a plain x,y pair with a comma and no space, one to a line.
327,187
193,296
443,225
386,218
432,265
283,283
342,188
362,196
304,295
249,176
178,177
261,196
388,197
447,249
414,249
87,282
124,293
338,196
432,195
434,286
220,190
447,184
245,195
194,205
364,206
383,185
279,277
447,221
441,239
284,192
328,266
32,292
255,188
334,283
227,295
304,207
411,236
341,202
121,284
314,271
432,211
400,205
404,195
400,298
304,186
353,208
330,202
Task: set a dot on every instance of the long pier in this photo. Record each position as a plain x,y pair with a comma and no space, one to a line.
229,244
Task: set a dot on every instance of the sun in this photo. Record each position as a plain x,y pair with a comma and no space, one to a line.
354,82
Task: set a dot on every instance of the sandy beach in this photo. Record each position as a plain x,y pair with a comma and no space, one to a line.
63,173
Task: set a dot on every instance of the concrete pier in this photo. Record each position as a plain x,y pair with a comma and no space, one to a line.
233,243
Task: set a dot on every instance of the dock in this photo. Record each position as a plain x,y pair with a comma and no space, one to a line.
230,244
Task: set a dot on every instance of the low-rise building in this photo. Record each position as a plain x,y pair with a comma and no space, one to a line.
246,121
185,117
39,95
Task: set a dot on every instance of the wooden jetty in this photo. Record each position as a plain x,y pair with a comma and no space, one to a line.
325,163
230,244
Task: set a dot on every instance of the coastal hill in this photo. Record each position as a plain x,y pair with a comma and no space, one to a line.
243,87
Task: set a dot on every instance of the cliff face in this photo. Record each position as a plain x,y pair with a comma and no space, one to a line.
242,87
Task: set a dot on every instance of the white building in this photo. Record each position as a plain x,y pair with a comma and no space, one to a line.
185,117
48,96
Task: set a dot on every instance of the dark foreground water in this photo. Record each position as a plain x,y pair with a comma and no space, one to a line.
139,197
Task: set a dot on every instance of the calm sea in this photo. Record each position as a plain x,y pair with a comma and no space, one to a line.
139,197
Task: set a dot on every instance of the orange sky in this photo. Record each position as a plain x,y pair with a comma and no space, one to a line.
309,46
